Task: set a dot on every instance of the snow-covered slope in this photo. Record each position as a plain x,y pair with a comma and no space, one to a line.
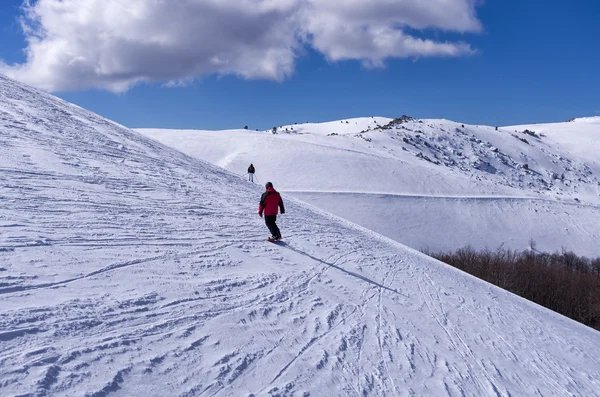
579,138
127,268
428,183
339,127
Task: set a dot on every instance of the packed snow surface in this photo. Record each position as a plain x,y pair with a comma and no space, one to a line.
433,184
130,269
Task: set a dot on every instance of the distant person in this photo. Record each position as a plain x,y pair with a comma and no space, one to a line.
270,202
251,172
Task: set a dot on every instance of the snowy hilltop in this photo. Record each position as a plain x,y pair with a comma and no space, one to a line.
128,268
450,158
433,184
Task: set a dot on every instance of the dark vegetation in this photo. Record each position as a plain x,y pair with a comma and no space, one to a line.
562,282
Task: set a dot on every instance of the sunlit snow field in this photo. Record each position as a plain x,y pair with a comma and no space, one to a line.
128,268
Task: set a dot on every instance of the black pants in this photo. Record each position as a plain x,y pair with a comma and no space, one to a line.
270,221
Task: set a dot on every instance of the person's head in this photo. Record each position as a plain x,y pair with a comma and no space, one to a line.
268,185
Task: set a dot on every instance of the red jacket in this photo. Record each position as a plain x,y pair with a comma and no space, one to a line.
269,202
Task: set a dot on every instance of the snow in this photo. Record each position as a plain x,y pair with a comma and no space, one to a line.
128,268
592,120
340,127
425,223
433,184
580,138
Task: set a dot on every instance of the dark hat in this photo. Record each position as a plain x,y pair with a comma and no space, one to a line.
268,185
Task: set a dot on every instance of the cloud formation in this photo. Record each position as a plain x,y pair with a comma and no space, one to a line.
114,44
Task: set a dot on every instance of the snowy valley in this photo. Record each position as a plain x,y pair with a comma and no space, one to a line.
130,268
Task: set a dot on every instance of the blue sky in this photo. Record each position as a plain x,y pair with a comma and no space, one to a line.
515,62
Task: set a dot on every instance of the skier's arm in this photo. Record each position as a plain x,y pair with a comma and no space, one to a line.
261,205
281,207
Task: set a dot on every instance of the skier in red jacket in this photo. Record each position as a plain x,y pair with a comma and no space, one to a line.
270,202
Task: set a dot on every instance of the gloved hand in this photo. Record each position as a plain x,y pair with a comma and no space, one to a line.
282,212
260,214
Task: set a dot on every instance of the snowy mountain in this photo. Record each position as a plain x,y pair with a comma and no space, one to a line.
128,268
433,184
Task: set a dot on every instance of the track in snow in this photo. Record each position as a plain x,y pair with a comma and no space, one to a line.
127,268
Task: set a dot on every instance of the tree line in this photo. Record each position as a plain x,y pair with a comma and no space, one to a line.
561,281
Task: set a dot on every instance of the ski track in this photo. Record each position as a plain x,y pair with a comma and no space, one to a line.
127,268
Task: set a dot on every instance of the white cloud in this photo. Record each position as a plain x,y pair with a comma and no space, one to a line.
114,44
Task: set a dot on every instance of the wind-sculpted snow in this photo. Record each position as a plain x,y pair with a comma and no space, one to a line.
127,268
